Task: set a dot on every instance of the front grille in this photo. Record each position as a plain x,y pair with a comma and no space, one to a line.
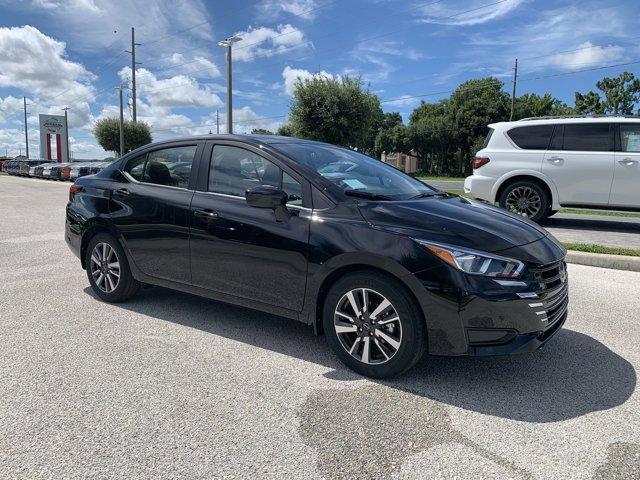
553,292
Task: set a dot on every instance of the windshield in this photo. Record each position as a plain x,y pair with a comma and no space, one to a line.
355,173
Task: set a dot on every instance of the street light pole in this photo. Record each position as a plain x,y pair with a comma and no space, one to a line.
228,43
121,124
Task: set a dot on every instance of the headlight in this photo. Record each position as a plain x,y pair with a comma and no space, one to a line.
475,262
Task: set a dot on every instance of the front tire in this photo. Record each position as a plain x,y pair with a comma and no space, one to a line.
373,324
526,198
108,269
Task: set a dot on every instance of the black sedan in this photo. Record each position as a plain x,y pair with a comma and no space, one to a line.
386,266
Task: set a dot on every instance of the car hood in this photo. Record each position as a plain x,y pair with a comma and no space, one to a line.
453,220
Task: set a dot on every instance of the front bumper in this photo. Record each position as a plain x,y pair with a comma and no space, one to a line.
486,318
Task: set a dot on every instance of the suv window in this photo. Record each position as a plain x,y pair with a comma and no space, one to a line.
589,137
630,137
170,166
135,167
533,137
234,170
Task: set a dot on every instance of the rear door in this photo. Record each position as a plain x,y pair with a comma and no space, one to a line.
625,191
244,251
150,209
580,162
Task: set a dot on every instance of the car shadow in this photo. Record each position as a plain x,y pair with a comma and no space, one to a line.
605,224
573,375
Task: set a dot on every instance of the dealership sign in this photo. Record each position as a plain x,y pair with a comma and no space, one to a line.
51,125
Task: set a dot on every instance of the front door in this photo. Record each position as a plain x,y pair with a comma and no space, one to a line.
245,251
580,163
625,191
151,210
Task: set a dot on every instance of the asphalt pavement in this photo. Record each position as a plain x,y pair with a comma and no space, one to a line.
174,386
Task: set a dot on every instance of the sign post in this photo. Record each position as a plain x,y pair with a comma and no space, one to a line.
54,125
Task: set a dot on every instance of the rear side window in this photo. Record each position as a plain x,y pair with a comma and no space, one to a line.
135,167
534,137
588,137
630,137
170,166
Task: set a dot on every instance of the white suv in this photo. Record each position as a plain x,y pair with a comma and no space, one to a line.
535,166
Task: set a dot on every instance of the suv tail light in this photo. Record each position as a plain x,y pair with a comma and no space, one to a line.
73,189
479,161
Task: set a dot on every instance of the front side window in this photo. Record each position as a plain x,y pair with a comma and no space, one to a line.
589,137
354,173
135,167
630,137
235,170
170,166
534,137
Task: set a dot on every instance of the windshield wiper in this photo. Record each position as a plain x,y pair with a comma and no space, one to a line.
429,194
365,194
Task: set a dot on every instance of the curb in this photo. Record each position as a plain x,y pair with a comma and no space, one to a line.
617,262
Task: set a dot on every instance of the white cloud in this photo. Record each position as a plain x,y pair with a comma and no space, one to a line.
9,107
245,120
91,24
266,42
204,67
402,101
306,9
176,91
476,12
291,75
586,54
36,63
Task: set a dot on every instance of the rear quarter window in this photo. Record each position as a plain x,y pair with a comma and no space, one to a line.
533,137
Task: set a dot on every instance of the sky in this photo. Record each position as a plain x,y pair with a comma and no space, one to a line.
71,53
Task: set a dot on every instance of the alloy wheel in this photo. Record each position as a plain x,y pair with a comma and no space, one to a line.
368,326
524,201
105,267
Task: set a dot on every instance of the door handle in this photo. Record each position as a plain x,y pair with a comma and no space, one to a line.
555,159
206,214
122,191
628,161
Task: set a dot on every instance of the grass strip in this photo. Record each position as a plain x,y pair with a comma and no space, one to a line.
593,248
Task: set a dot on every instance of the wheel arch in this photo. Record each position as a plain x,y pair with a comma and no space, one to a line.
91,229
545,182
325,284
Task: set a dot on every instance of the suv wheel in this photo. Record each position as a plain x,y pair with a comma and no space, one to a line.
373,325
108,270
526,198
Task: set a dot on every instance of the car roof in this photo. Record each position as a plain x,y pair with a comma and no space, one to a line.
565,120
257,139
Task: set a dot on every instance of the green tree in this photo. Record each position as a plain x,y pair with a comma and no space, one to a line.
261,131
338,111
391,119
285,130
394,139
107,132
534,105
621,96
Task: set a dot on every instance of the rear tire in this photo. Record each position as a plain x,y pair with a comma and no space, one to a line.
526,198
383,341
108,269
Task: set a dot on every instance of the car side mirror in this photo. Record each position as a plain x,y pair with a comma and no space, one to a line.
266,196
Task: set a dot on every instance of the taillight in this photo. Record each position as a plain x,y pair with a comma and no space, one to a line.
479,161
73,189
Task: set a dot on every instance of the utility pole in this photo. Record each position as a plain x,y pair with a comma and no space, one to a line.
121,123
134,116
217,122
228,43
26,130
66,128
513,94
